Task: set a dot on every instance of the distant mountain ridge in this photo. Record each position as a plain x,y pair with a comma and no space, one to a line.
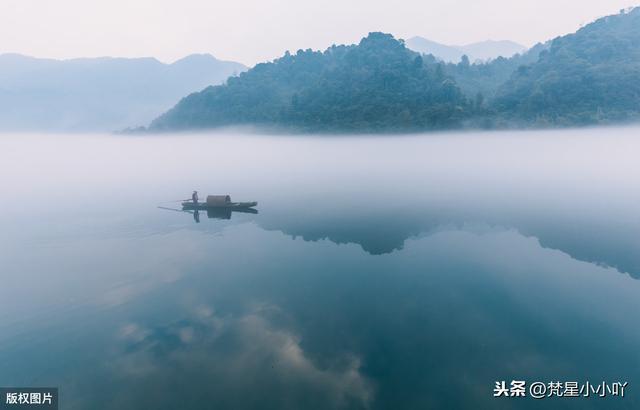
483,50
378,85
98,94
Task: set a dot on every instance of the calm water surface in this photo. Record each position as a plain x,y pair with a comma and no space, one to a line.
381,272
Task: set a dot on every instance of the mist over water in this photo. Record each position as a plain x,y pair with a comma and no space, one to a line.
379,272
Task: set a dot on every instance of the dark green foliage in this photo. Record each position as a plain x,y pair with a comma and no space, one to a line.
592,76
376,85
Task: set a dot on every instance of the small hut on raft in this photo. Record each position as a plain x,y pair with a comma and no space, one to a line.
218,200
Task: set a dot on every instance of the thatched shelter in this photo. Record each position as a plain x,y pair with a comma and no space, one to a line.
218,200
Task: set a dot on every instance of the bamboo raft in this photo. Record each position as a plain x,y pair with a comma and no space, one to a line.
218,202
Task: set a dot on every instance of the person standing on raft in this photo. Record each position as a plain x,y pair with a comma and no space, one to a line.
194,197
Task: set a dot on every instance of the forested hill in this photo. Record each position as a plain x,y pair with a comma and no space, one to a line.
378,84
590,77
486,78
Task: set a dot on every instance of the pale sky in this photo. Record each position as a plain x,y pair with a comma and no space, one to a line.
251,31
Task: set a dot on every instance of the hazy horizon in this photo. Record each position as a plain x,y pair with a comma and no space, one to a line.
250,32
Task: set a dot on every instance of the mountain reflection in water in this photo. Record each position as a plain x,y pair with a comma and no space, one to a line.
380,231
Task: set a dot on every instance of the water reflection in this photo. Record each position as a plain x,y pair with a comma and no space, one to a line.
258,320
213,213
225,213
379,232
482,261
243,362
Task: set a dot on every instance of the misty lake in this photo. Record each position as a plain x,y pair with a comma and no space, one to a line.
383,272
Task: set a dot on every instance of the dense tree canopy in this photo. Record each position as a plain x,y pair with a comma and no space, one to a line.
592,76
378,84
